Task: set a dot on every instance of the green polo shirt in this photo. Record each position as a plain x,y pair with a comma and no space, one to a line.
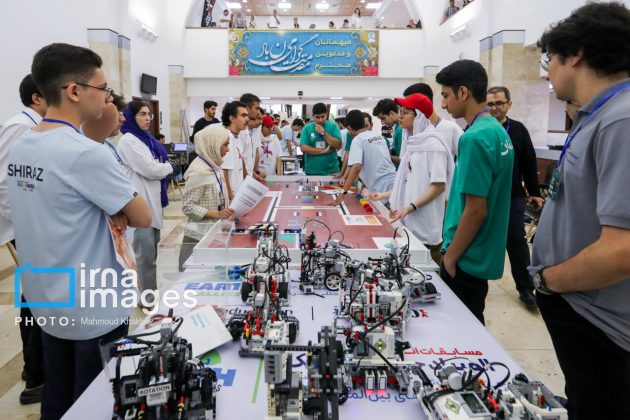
349,138
327,164
397,140
484,169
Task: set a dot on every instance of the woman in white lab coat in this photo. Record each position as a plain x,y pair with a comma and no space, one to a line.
205,197
149,168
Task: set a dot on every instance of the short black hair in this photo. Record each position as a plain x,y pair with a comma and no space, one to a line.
368,116
136,105
160,136
355,119
230,109
57,64
467,73
385,106
248,99
298,122
341,120
209,104
118,101
276,115
501,89
320,108
599,31
422,88
28,88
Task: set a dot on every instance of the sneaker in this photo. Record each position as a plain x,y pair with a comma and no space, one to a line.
31,395
528,298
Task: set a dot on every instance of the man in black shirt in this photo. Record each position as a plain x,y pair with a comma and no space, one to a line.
209,109
524,170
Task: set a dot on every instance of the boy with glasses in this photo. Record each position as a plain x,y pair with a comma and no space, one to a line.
62,187
524,170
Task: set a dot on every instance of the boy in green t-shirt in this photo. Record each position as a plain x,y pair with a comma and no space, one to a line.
387,111
477,215
319,142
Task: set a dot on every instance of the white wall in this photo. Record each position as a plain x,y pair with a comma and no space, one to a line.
35,23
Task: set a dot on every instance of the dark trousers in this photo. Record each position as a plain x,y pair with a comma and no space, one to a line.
517,248
469,289
70,366
596,370
31,334
32,351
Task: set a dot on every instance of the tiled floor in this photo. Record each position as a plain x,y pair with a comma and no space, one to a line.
521,332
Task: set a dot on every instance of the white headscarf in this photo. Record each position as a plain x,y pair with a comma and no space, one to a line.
208,144
421,138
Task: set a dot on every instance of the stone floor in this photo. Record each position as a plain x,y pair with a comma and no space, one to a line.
521,332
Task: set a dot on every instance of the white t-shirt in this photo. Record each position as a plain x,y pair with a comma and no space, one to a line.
250,139
233,162
145,173
269,150
62,186
273,23
451,133
288,135
12,130
424,169
369,149
355,21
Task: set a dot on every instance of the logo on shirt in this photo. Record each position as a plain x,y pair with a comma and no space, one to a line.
26,186
507,146
26,171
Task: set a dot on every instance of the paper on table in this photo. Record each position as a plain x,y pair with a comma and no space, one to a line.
247,196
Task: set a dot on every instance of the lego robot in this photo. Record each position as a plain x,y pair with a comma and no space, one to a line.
322,265
265,289
168,382
289,397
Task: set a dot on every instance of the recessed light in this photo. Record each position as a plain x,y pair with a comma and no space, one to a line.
373,5
321,6
336,98
231,5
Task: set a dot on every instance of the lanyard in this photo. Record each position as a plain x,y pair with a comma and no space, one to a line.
52,120
29,117
572,135
508,124
215,174
111,146
475,118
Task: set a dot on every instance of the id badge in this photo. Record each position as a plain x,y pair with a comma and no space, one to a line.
221,202
554,183
320,144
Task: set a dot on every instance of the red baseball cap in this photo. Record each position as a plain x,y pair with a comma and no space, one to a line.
417,101
267,121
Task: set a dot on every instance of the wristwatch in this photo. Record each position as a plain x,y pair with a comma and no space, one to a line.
539,283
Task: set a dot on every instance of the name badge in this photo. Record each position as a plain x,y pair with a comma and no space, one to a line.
321,144
554,184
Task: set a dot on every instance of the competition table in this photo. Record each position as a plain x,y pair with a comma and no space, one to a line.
443,332
295,203
440,333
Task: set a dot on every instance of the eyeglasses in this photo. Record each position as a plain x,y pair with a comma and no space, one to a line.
109,91
544,62
145,114
498,104
403,112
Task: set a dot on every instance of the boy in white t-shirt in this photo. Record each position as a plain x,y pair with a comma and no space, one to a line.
424,175
234,117
270,148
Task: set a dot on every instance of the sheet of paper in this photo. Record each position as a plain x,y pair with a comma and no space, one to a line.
248,195
352,220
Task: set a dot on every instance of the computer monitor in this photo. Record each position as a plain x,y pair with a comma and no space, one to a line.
180,148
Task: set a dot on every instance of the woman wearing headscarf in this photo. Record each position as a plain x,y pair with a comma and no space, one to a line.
148,169
205,197
424,175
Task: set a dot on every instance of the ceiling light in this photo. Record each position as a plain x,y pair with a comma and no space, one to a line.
232,5
362,1
284,6
336,98
265,98
321,6
249,10
382,17
371,5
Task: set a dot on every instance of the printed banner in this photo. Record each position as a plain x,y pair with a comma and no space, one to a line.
303,53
